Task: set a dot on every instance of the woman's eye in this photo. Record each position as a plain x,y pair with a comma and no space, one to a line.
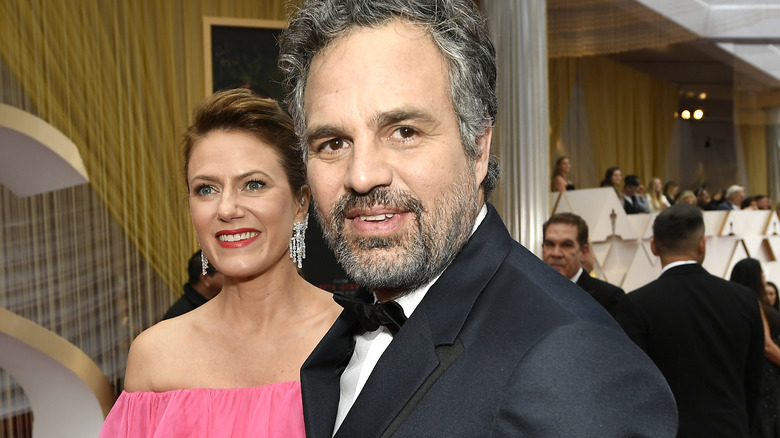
204,190
255,185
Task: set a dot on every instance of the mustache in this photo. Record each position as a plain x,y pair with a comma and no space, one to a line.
380,196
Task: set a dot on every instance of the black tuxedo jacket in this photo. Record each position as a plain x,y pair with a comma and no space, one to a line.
608,295
502,345
707,338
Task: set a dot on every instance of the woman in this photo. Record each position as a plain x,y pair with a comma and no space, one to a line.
655,197
687,197
613,177
231,366
560,180
771,296
670,191
766,421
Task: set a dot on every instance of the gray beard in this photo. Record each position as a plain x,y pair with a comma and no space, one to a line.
421,254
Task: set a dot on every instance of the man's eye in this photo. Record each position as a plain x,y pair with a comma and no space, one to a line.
333,144
404,133
255,185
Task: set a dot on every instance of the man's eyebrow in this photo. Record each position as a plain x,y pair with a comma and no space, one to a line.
323,131
394,116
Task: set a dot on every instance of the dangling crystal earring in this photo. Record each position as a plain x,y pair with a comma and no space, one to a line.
297,243
204,262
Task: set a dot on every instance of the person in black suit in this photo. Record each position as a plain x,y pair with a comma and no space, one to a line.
201,286
704,333
565,246
458,331
633,201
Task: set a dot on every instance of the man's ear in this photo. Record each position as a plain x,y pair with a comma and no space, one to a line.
482,160
652,246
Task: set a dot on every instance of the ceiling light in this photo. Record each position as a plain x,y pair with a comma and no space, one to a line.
698,114
685,114
702,95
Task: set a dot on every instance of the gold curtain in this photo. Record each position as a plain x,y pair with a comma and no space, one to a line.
562,74
120,79
101,262
630,117
754,148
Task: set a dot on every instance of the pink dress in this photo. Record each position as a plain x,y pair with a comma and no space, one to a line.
273,410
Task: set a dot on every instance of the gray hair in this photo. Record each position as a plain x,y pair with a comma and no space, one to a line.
455,26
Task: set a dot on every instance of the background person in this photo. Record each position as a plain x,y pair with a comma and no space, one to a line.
656,201
766,422
200,287
472,335
613,177
704,333
771,296
565,246
231,366
560,180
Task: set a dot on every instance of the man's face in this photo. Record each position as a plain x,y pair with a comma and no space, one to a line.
630,190
561,250
395,193
736,198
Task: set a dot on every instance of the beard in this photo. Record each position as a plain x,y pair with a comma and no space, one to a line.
414,256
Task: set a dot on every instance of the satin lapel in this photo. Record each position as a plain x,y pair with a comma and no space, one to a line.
412,357
320,377
403,367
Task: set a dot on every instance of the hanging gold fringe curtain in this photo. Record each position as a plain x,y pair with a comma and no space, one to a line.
120,79
630,115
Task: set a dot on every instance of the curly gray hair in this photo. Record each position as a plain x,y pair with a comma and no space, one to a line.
455,26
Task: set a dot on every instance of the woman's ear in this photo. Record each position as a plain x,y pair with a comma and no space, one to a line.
303,204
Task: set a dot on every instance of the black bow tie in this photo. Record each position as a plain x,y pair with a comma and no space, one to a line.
372,315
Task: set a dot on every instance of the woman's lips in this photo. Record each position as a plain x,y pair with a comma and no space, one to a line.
236,238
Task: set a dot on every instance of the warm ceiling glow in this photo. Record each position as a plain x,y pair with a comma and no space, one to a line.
690,94
702,95
698,114
685,114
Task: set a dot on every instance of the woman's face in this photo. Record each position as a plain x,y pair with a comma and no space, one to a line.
771,295
617,177
565,166
241,204
656,185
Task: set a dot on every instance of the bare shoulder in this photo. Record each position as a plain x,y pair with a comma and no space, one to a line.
153,352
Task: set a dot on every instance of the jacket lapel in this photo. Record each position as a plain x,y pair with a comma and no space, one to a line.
320,376
411,363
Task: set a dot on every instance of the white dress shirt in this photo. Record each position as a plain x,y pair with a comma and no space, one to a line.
370,346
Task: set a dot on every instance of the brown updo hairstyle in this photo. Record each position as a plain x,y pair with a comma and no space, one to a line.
241,110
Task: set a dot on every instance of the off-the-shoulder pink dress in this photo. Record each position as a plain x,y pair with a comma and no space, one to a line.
273,410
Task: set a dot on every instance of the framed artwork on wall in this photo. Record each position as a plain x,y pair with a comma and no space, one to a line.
242,53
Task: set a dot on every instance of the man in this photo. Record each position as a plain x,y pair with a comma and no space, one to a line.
199,288
565,246
632,202
735,194
394,101
704,333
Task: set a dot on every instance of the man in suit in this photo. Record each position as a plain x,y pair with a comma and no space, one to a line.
632,202
565,246
704,333
394,102
734,196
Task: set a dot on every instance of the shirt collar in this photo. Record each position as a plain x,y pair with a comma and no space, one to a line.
576,276
675,264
